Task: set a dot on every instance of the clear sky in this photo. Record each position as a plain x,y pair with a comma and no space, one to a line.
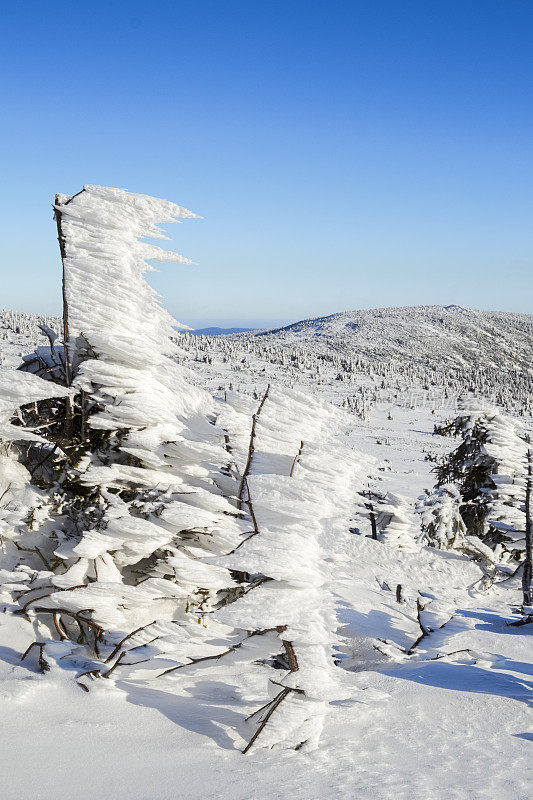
344,154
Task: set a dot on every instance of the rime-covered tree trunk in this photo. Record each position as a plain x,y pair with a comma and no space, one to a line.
527,575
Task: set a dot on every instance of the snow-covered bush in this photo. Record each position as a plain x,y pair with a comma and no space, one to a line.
489,469
440,518
298,488
385,516
23,505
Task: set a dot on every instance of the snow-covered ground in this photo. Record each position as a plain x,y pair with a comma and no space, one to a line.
422,729
424,726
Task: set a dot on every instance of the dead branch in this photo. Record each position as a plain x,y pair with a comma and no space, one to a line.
250,449
64,612
525,621
47,457
24,608
293,667
273,705
453,653
425,631
32,550
115,665
59,627
217,656
43,664
125,639
296,457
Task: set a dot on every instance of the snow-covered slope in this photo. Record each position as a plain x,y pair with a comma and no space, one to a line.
424,334
425,726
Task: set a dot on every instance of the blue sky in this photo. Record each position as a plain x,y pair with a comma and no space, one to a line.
343,154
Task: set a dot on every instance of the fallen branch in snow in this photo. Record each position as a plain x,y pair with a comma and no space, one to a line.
425,631
273,705
250,536
258,582
94,673
217,656
43,461
383,653
32,550
76,615
293,667
59,627
97,673
43,664
250,506
125,639
24,608
115,665
525,621
6,490
453,653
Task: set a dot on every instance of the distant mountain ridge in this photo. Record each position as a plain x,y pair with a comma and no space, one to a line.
432,335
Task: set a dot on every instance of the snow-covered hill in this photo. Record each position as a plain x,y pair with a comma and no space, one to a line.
428,335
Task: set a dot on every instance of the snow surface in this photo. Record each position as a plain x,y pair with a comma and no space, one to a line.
418,729
415,727
407,727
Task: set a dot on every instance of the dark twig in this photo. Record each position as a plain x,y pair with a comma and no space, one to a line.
43,664
296,458
425,631
125,639
217,656
273,705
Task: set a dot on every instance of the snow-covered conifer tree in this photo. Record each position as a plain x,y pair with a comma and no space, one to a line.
299,491
174,521
489,469
440,518
136,454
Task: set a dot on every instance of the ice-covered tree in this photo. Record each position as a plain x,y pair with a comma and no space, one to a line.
488,468
298,488
173,522
133,477
440,518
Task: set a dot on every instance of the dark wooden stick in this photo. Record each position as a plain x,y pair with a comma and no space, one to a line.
296,457
250,450
273,705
